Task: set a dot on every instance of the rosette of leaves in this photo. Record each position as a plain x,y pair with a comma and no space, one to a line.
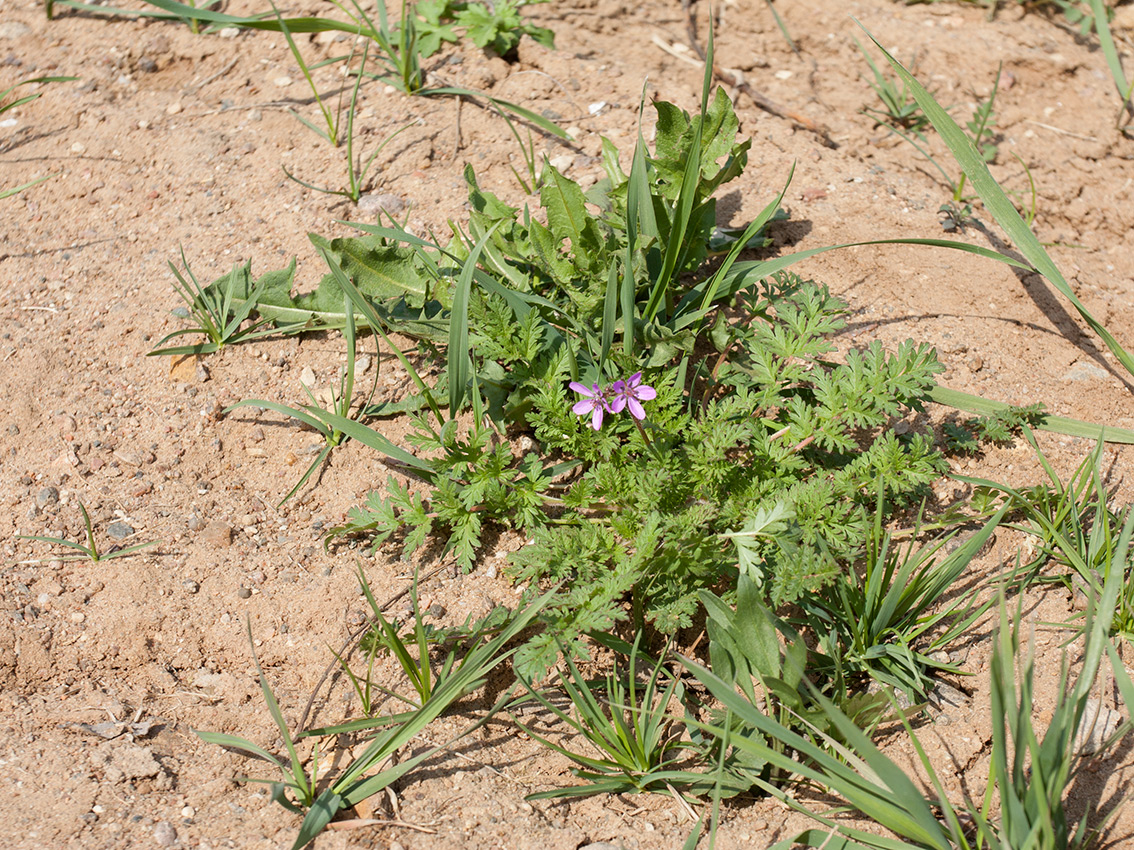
773,467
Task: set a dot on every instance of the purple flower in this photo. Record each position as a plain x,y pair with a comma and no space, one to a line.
594,402
630,394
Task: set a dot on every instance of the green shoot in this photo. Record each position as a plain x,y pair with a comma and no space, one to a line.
297,791
217,317
1114,63
315,415
6,104
1030,774
889,624
356,170
90,550
330,119
974,164
632,735
899,107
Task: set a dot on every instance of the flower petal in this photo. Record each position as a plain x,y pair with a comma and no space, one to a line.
645,393
583,389
596,417
616,404
636,410
584,406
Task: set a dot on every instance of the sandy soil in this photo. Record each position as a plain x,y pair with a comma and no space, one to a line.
172,140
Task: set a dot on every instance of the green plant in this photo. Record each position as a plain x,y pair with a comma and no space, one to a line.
218,319
90,551
403,44
996,426
975,167
891,622
1073,524
418,670
356,169
331,120
899,107
981,135
317,416
499,26
7,102
364,775
766,659
633,734
1029,776
529,181
1100,18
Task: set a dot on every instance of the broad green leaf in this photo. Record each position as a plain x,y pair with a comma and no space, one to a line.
379,271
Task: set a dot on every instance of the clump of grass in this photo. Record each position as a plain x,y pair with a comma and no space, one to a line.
89,550
218,319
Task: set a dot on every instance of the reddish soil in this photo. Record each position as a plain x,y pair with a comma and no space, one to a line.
173,140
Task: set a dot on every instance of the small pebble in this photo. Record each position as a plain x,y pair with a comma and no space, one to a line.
244,593
47,496
191,585
282,82
78,147
13,30
375,204
229,32
188,812
217,534
165,834
307,377
119,531
975,363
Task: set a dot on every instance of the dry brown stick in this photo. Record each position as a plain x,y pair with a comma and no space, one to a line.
760,100
352,641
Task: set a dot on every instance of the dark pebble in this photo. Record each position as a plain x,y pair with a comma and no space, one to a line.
13,429
437,611
47,496
244,593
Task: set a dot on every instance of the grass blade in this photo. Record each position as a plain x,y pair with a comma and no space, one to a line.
1058,424
459,357
998,203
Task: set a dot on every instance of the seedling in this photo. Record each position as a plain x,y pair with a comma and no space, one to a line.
899,107
1101,19
356,170
90,551
890,623
315,415
1031,770
632,734
218,318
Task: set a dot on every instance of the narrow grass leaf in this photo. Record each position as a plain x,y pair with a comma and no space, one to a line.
1110,52
371,316
998,203
1058,424
459,357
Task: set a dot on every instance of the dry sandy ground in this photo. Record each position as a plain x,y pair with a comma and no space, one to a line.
171,140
